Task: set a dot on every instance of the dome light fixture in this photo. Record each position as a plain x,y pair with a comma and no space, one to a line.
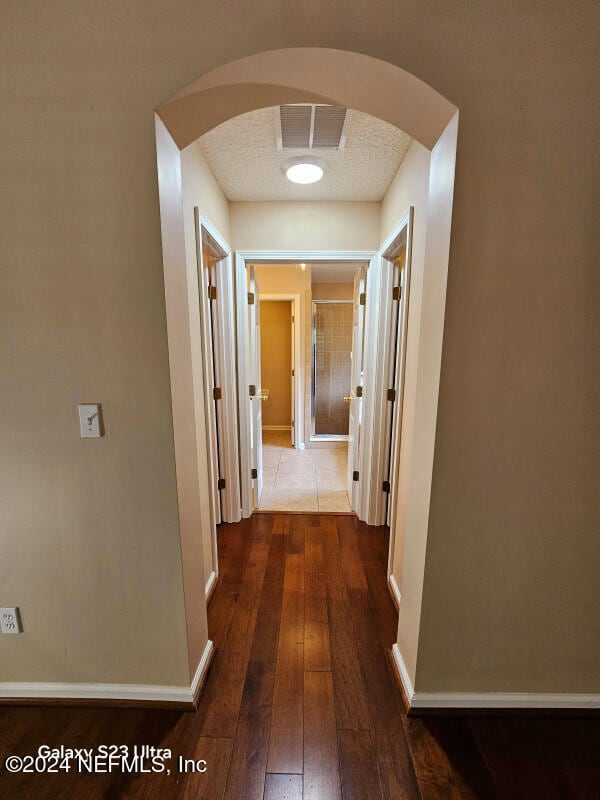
303,170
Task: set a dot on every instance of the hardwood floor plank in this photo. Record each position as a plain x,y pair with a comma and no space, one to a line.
281,524
351,562
223,692
233,545
321,763
381,602
283,787
446,760
209,785
315,601
249,759
349,688
266,631
383,702
220,613
317,652
358,766
540,757
295,537
285,745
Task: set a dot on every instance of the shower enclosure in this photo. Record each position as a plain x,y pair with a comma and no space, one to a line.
331,368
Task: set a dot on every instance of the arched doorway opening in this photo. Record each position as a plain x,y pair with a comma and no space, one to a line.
311,75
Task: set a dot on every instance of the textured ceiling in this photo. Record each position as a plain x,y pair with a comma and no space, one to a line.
243,156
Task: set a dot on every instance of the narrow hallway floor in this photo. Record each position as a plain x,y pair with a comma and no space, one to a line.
303,480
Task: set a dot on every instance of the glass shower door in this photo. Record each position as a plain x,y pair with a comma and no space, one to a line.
332,365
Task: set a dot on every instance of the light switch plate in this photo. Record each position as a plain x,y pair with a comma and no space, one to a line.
10,621
90,420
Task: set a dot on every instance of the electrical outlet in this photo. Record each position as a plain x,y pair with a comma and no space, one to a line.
10,621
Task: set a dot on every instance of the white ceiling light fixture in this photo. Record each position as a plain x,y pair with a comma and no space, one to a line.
303,170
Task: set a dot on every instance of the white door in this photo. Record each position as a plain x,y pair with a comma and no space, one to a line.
356,382
255,382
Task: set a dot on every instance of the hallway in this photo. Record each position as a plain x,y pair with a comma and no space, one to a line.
301,700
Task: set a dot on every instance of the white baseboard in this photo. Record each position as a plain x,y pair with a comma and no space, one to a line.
505,700
490,700
277,427
395,590
403,673
210,584
201,670
107,692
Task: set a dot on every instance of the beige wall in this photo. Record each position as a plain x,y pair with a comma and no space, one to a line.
333,291
282,279
90,530
305,226
276,361
201,190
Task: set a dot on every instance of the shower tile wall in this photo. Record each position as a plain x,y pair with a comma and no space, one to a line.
334,345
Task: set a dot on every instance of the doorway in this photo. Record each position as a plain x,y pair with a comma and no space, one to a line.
293,465
301,75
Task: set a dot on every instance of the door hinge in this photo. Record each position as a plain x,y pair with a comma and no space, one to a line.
391,395
396,293
355,475
385,487
252,390
293,318
217,393
359,391
212,292
293,373
254,473
362,298
221,483
250,298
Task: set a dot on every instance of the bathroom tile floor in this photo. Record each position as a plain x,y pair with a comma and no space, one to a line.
303,480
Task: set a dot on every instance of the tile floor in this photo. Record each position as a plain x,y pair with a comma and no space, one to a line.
303,480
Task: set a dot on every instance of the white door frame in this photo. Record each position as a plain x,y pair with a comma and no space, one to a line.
224,358
406,223
209,407
257,257
380,420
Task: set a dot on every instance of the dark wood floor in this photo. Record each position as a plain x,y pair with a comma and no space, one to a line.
301,700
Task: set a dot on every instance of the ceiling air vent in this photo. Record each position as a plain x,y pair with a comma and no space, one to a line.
311,127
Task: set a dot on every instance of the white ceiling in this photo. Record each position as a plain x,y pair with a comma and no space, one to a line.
332,272
243,156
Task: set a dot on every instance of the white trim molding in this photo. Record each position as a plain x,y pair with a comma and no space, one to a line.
432,701
210,585
199,678
403,674
395,589
107,693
